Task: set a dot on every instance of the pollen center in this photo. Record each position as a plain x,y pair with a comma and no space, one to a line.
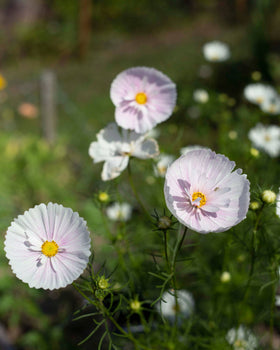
141,98
49,248
198,199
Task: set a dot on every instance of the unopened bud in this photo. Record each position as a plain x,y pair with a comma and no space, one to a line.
164,222
254,205
135,305
269,196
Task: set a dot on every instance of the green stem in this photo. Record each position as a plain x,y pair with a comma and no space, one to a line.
135,192
272,309
107,314
253,252
177,248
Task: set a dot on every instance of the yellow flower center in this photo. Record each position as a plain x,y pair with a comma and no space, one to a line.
49,248
259,100
201,199
141,98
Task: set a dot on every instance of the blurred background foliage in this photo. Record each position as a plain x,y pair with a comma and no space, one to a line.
87,43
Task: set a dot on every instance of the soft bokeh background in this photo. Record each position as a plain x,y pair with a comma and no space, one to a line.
86,44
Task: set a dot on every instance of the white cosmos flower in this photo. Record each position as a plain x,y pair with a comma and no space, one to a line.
184,308
266,138
271,105
259,93
216,51
241,338
119,211
114,147
187,149
48,246
161,166
201,96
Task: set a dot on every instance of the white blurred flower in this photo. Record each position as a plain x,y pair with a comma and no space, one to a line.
277,300
185,150
278,208
184,308
241,338
225,277
216,51
161,166
266,138
259,93
201,96
271,105
119,211
114,147
232,134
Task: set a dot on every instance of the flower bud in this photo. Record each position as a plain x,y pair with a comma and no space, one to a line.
164,222
269,196
103,283
103,197
135,305
254,205
254,152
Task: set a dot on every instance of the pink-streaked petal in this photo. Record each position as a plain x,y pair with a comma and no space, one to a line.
159,90
226,191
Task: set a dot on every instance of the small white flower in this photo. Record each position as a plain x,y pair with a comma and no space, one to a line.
119,211
161,166
115,147
277,300
184,308
241,338
266,138
187,149
259,93
201,96
271,105
216,51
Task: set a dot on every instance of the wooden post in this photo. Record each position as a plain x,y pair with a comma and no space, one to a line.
85,13
48,105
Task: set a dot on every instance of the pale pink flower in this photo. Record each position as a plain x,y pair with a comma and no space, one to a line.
114,147
143,98
48,246
204,193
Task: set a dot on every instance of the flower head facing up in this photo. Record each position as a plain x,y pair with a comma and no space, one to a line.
184,308
259,93
114,148
266,138
204,193
241,338
143,98
48,246
119,211
216,51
